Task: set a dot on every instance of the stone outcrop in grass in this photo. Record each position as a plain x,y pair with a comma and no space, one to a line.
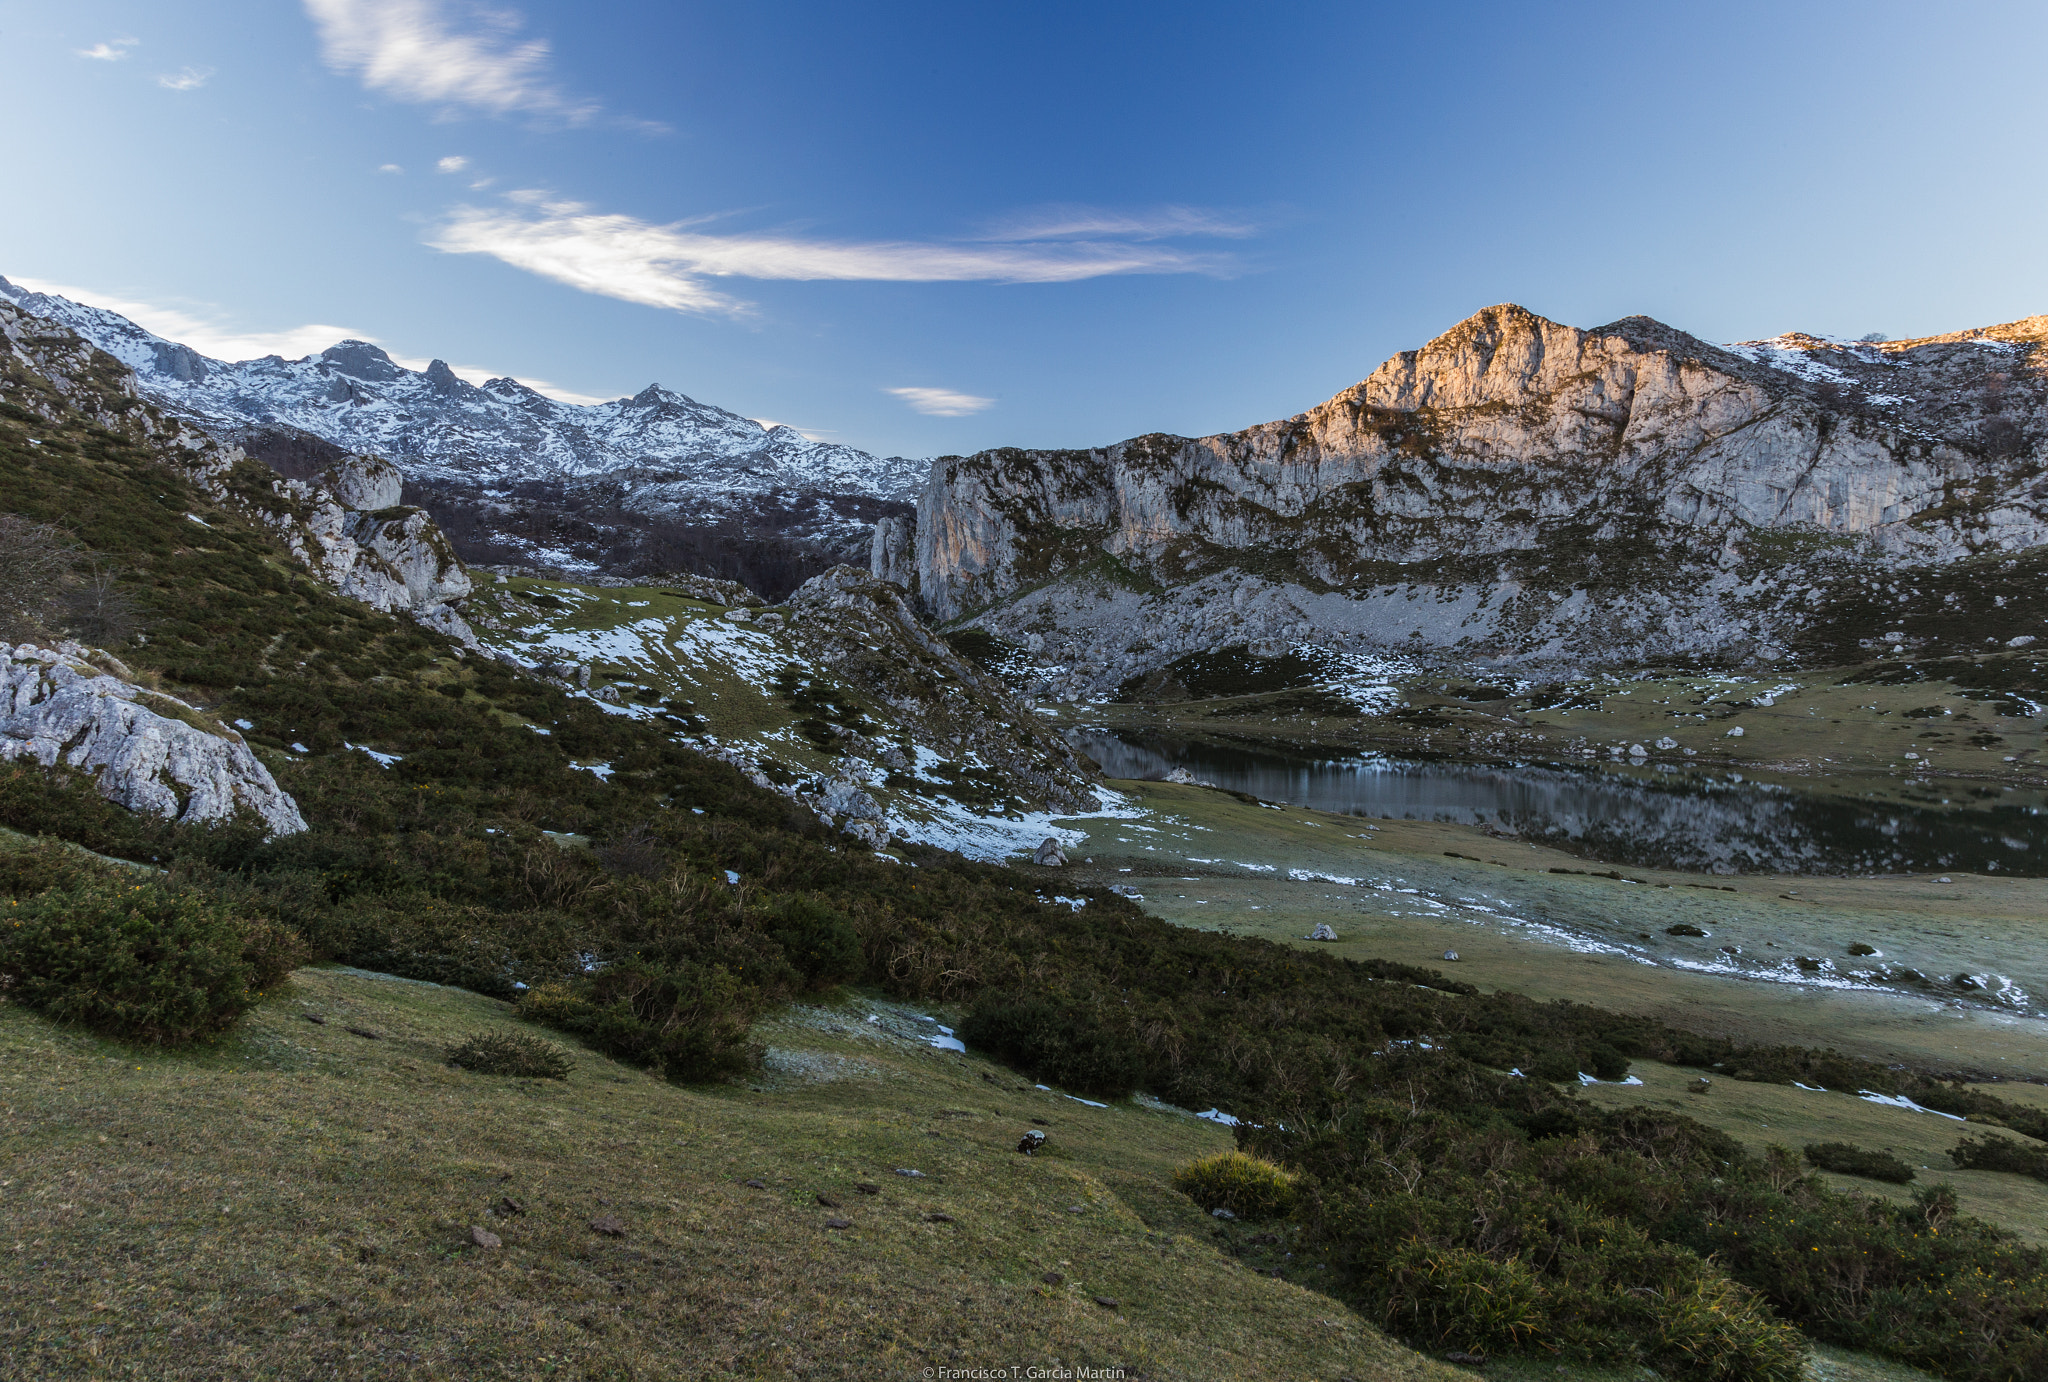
148,751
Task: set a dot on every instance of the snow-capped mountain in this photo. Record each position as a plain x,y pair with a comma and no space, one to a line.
437,427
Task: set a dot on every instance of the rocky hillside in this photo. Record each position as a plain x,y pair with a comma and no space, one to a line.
497,451
1523,493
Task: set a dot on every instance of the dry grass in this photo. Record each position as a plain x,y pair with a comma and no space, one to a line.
299,1203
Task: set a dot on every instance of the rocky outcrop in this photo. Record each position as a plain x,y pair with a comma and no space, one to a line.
73,708
894,555
1515,489
867,635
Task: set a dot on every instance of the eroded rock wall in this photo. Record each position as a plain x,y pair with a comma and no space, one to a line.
1515,486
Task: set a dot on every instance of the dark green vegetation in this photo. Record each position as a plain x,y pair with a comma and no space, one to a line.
514,1054
468,863
148,961
1994,1153
1845,1159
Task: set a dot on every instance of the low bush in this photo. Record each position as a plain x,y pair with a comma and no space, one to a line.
501,1053
1064,1043
818,940
141,961
1249,1187
688,1022
1994,1153
1845,1159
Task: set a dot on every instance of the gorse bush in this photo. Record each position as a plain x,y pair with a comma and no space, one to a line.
687,1022
511,1053
818,940
142,961
1845,1159
1249,1187
1994,1153
1061,1041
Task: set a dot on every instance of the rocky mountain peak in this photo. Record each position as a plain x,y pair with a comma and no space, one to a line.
362,360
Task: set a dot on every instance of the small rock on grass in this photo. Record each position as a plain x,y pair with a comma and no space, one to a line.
1106,1302
315,1018
507,1206
362,1032
758,1184
828,1202
936,1218
866,1189
1053,1279
836,1223
484,1238
608,1225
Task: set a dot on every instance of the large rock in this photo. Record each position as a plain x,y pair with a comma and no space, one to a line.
147,751
1515,487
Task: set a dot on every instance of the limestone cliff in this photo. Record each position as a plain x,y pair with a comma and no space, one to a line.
1514,489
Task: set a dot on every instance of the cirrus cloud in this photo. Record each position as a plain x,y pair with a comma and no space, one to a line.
669,266
433,53
108,52
942,402
185,79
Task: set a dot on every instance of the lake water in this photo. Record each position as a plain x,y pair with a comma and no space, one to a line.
1708,822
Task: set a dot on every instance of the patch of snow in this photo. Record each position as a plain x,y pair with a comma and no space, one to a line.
1079,1100
384,760
1900,1101
602,771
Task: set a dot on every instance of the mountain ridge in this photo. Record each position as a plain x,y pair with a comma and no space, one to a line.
434,423
1515,489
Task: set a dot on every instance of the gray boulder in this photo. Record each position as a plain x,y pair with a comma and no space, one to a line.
147,751
1323,932
1049,854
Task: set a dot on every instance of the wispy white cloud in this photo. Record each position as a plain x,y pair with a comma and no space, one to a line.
389,168
1159,223
454,163
185,79
207,335
108,52
447,54
942,402
668,265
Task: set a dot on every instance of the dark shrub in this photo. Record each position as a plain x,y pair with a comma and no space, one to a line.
1556,1066
1608,1063
818,940
500,1053
1846,1159
1061,1042
2001,1154
136,960
687,1021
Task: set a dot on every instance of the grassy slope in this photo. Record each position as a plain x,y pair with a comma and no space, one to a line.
298,1202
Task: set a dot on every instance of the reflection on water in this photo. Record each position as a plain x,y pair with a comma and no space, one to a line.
1714,823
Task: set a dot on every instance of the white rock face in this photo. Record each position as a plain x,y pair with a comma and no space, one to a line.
1515,488
145,749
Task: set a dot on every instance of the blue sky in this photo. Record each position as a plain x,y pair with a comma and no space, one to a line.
926,228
